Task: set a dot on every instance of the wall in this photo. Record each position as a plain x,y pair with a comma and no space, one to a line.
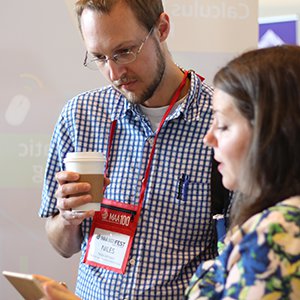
41,57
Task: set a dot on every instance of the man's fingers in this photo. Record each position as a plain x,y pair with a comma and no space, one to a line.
106,181
76,218
65,176
71,189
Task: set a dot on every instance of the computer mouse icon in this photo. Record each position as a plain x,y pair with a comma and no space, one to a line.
17,110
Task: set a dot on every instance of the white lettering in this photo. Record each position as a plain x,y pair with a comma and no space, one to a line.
33,149
237,10
119,219
114,218
38,173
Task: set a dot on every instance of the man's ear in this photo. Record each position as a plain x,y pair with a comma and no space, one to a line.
163,26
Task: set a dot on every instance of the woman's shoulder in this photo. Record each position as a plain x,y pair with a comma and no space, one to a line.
277,228
279,221
283,213
292,203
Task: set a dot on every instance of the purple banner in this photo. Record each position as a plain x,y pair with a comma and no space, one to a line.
277,31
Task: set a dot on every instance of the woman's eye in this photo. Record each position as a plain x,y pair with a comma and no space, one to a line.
222,128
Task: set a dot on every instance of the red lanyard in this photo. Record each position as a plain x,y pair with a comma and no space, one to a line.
112,132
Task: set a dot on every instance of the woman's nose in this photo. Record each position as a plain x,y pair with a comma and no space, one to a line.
209,138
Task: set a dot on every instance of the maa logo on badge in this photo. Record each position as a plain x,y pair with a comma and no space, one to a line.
115,217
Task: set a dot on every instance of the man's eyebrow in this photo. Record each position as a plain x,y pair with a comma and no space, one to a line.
125,44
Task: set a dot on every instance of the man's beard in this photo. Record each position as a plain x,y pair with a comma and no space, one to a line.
150,90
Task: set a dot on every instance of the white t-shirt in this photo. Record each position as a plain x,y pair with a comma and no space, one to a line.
155,114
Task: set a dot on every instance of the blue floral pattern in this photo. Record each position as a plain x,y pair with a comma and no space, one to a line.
260,260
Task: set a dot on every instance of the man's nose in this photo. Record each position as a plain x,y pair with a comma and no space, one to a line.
115,71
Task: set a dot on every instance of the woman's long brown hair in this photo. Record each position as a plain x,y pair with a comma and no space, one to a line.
265,85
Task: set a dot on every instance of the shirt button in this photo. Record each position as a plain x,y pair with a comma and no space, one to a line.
132,261
151,141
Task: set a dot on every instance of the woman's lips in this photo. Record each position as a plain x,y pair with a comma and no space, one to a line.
220,167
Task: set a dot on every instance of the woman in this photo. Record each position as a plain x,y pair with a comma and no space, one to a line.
256,140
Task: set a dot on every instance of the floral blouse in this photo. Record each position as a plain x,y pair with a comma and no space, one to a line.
261,259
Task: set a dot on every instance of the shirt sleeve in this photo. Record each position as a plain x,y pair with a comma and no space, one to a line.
61,143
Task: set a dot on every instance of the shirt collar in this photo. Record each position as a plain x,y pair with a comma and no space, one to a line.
123,107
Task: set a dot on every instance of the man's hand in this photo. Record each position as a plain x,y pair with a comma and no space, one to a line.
70,194
63,229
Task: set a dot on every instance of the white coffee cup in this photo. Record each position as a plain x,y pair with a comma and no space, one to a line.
90,165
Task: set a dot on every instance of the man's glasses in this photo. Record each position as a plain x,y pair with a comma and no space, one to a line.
122,57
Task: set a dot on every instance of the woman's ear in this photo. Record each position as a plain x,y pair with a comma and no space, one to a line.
163,26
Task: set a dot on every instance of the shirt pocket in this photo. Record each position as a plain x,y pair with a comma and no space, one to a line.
192,209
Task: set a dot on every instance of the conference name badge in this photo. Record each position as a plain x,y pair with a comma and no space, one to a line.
111,236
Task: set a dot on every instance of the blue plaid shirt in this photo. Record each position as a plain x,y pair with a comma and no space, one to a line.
175,232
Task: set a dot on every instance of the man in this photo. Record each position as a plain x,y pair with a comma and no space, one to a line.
160,169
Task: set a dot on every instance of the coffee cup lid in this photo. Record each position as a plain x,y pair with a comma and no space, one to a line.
84,156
